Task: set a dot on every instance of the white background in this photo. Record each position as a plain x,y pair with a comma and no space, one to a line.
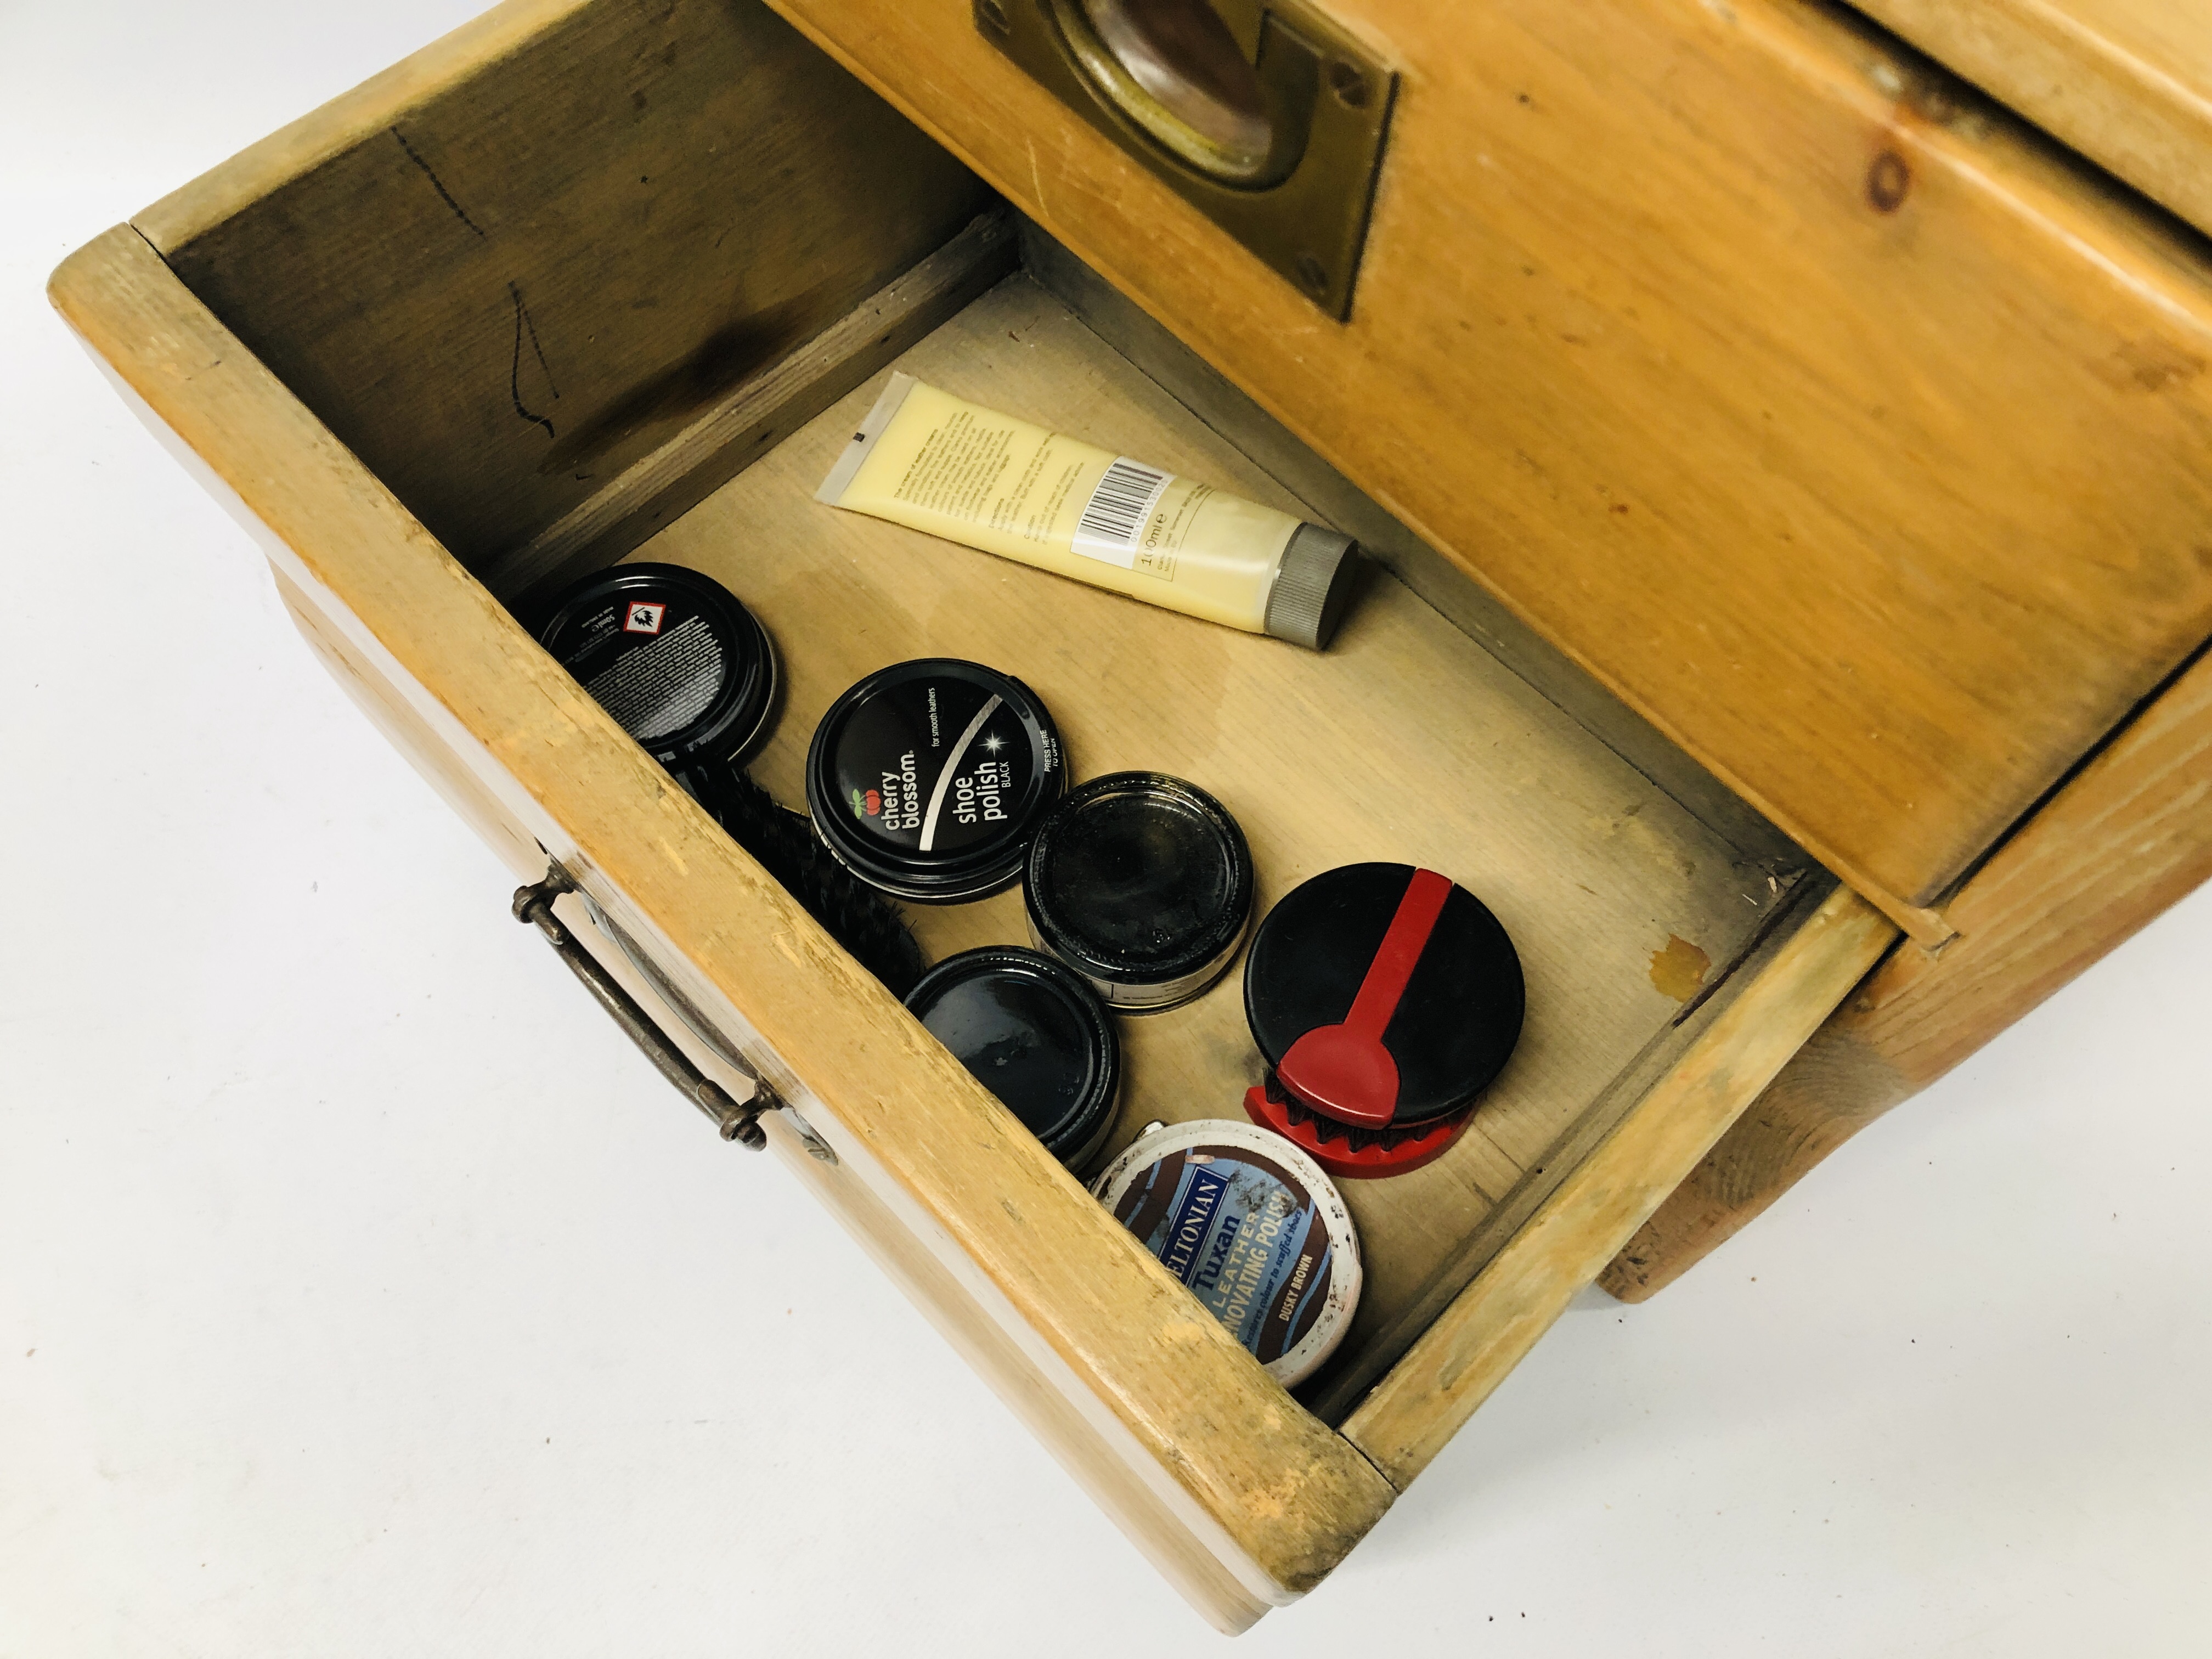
361,1294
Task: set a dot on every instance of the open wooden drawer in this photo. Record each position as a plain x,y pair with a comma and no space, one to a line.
603,281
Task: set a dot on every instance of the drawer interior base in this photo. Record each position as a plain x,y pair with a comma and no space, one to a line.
1406,740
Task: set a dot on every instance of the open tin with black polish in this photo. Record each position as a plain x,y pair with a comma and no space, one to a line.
1142,884
928,779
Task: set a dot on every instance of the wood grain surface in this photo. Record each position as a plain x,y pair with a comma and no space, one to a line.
1528,1284
2127,82
668,482
1847,428
504,271
2124,839
1234,1466
1404,741
1334,500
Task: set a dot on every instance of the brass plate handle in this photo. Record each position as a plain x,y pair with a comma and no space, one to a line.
1262,113
1175,70
737,1121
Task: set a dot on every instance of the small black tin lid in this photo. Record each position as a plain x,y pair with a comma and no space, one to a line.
928,779
1033,1033
679,663
1384,952
1142,884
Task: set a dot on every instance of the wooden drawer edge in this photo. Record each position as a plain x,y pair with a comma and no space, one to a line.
1487,1330
1184,1544
1291,1497
2076,70
2129,836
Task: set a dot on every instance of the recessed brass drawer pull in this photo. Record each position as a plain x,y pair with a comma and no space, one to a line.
738,1122
1265,114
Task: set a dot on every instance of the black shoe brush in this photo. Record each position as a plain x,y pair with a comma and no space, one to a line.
685,669
784,843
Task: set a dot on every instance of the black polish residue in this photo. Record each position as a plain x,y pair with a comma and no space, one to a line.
736,350
1143,883
524,329
1888,181
436,182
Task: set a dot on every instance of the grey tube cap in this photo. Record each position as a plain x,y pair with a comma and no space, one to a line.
1312,587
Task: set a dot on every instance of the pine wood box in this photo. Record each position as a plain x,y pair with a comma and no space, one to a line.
594,279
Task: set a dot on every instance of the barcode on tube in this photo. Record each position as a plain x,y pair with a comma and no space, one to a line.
1115,517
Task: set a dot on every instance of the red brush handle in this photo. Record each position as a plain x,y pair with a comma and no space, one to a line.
1387,975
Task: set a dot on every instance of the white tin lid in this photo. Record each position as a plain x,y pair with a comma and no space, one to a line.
1253,1227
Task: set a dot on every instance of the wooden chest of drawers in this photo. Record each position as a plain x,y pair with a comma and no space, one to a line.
1742,529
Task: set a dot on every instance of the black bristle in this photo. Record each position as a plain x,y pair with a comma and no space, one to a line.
784,843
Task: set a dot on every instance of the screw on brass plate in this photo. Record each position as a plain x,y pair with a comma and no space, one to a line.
1345,80
994,14
1311,274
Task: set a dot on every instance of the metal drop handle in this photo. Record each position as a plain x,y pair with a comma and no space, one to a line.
738,1121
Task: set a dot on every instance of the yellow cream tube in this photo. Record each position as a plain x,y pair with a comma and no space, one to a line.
934,462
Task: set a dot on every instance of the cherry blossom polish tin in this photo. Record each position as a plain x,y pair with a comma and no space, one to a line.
929,778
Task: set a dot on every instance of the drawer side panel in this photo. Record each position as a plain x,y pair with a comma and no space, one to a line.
1179,1540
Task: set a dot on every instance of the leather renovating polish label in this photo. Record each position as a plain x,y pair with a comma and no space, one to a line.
1255,1230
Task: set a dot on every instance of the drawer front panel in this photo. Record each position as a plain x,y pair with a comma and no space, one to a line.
1845,427
1188,1547
1240,1496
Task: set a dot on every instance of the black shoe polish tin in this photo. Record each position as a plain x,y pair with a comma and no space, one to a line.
681,665
1034,1034
929,778
1142,884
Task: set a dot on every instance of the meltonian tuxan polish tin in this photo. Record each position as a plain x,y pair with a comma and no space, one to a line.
929,778
1255,1230
1142,884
